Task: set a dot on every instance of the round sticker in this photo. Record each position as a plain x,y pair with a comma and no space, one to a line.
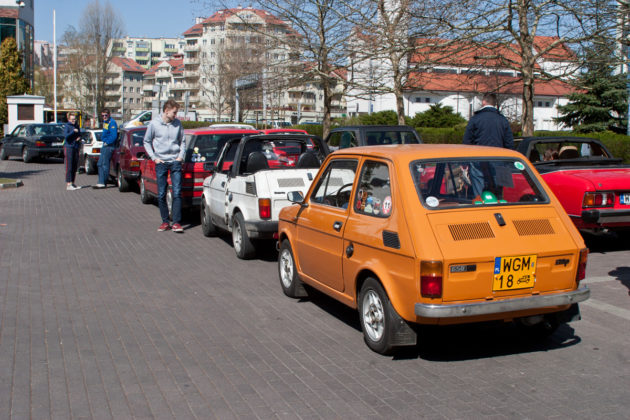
519,166
432,201
368,208
387,205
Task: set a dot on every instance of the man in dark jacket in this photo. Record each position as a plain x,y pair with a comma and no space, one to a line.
71,146
488,127
110,133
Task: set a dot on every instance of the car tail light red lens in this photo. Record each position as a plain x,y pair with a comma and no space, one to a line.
40,143
96,150
598,199
188,175
431,279
134,164
581,271
264,208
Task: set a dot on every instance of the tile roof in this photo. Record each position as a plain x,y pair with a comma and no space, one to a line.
127,64
195,30
9,13
473,83
223,15
176,66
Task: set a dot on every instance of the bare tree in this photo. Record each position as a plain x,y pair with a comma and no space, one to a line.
89,57
499,26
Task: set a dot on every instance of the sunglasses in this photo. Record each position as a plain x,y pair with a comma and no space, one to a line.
104,115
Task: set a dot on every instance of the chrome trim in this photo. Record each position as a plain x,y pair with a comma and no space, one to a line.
501,306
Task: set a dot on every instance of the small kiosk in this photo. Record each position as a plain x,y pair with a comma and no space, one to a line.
24,109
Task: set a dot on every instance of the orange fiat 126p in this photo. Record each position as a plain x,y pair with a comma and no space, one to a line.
433,234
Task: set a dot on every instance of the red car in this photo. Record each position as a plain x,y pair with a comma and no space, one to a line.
126,159
202,146
592,185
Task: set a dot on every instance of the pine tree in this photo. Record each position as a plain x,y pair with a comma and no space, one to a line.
12,80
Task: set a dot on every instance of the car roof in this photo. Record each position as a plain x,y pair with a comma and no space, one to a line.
206,130
283,130
380,127
411,152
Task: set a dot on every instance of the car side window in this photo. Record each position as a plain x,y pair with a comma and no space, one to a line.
335,185
22,131
16,130
374,196
227,160
342,140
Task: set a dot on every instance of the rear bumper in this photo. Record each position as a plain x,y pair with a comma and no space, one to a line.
602,217
502,306
131,174
46,151
264,229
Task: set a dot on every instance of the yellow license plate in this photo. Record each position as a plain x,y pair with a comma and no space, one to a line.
511,273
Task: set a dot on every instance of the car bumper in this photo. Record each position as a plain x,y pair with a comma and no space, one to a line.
502,306
47,151
131,174
264,229
602,217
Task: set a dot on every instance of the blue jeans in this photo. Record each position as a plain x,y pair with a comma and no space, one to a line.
71,155
103,163
162,170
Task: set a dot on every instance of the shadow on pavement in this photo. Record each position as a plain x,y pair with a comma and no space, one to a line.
21,174
623,275
603,242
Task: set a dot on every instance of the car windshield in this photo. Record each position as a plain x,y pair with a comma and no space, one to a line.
475,182
47,130
564,150
206,147
390,137
137,137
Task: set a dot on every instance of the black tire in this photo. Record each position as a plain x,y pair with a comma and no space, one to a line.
207,227
145,197
123,184
541,330
242,243
3,153
377,317
290,282
90,167
27,157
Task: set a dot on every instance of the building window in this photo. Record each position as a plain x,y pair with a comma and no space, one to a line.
26,112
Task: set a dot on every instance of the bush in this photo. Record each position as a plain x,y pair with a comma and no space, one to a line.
450,135
618,144
315,129
195,124
379,118
437,116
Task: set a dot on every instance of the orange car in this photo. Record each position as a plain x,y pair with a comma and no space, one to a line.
433,234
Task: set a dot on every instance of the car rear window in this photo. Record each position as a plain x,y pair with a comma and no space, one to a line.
48,130
475,182
206,147
374,138
137,137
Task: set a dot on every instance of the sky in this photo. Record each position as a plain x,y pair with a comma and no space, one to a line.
150,18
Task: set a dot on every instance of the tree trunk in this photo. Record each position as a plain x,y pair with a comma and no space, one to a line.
527,117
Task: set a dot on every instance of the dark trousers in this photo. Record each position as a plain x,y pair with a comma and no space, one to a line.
72,162
162,170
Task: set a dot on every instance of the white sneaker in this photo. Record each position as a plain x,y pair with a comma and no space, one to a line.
72,187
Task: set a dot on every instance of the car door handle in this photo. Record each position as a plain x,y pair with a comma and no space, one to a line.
223,184
337,226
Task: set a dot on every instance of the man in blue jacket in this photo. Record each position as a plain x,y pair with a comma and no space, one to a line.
488,127
71,146
110,133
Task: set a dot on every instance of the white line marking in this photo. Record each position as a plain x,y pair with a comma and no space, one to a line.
606,307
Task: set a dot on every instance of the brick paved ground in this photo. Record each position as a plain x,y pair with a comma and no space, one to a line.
103,317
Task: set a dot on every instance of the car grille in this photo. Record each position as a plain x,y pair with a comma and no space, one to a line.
290,182
533,227
468,231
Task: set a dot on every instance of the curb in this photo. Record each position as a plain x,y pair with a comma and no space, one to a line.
11,184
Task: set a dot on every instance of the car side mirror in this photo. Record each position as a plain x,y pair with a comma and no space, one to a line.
296,197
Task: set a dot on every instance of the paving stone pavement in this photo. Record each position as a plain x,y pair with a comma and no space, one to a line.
101,316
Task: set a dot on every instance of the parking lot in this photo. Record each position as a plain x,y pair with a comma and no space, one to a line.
101,316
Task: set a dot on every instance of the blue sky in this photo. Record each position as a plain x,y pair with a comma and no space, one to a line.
150,18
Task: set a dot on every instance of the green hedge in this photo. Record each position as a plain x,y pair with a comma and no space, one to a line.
315,129
451,135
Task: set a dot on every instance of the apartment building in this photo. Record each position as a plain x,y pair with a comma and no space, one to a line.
123,91
17,20
165,80
147,52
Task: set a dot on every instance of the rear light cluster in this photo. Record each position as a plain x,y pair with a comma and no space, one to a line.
96,150
134,164
598,199
264,208
581,271
431,279
40,143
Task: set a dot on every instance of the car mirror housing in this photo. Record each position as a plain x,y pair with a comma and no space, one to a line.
296,197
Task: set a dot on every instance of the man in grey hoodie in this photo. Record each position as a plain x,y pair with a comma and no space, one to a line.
165,145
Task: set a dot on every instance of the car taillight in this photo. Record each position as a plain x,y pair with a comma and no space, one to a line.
431,279
96,150
598,199
264,208
40,143
581,271
188,175
134,164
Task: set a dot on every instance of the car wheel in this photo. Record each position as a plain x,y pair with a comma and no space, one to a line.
90,167
538,331
144,195
123,184
207,227
27,157
291,284
242,244
3,153
377,317
169,202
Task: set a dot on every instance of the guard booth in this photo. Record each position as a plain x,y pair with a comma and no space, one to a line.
24,109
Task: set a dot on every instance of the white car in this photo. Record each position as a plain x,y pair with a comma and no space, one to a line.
91,150
250,183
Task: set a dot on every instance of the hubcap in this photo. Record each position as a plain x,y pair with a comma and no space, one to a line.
119,178
169,202
286,268
373,315
142,192
236,236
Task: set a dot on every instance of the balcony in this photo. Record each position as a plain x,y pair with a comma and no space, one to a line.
179,87
147,87
170,50
191,73
191,60
191,48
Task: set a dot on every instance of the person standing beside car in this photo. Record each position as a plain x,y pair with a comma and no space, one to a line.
71,144
164,143
109,135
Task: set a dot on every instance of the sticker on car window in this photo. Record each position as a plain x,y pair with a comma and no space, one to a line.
376,207
432,201
387,205
519,166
